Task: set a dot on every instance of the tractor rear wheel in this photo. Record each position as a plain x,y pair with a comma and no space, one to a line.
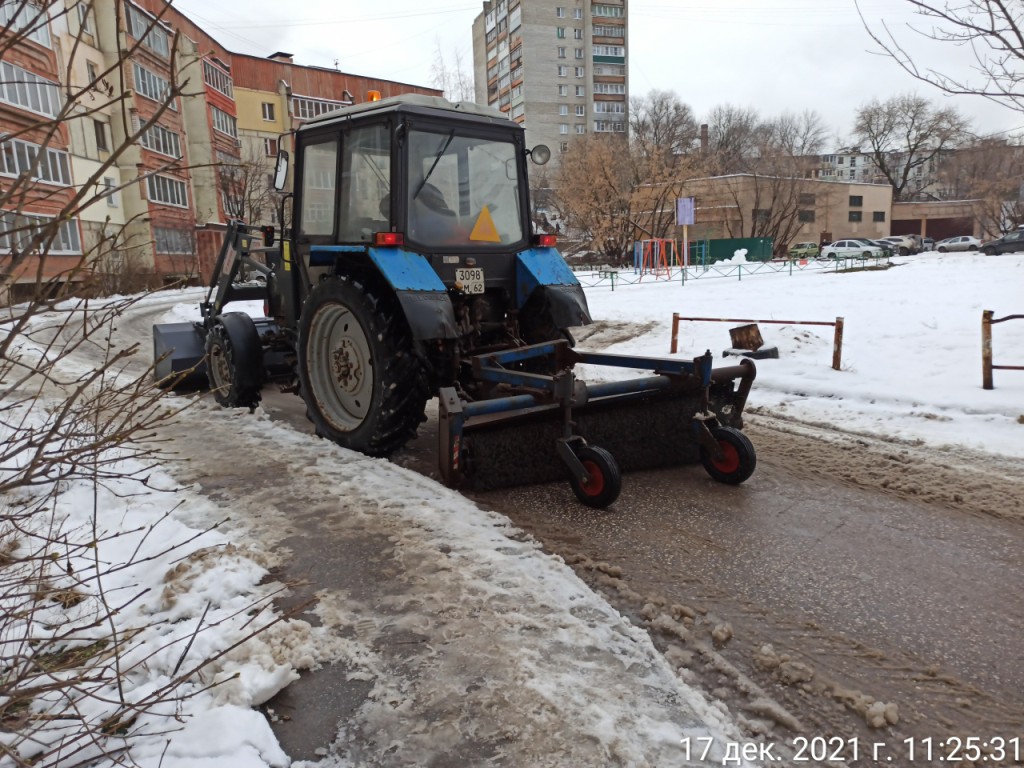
234,361
738,457
363,385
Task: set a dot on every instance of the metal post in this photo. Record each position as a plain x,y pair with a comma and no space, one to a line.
837,346
675,333
613,280
986,349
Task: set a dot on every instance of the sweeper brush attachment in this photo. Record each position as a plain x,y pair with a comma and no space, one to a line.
538,428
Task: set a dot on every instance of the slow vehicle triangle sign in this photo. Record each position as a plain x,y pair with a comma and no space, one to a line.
484,229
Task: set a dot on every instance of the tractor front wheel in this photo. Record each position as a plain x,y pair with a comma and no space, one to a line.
234,361
737,460
604,482
363,385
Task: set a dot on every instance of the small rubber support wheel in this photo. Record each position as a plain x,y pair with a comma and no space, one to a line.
738,456
605,481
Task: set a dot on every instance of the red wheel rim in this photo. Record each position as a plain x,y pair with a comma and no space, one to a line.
730,461
596,483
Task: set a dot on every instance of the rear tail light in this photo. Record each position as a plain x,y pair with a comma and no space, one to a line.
545,241
388,239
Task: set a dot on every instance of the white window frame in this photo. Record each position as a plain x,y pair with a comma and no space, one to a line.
110,189
151,85
27,16
159,139
563,128
18,156
563,71
218,79
559,12
270,147
68,240
308,107
145,28
172,240
268,110
167,190
223,122
563,90
27,90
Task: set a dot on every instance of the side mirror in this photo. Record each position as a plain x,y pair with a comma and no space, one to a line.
281,170
540,154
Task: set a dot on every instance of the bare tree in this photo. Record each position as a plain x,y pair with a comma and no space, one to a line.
613,194
248,187
907,133
661,122
993,30
451,76
990,173
63,660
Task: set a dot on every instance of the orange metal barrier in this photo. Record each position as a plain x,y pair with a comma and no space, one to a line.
837,344
986,348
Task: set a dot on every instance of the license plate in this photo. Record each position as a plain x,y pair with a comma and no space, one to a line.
470,280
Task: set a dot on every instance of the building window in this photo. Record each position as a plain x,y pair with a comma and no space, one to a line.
563,90
577,34
562,70
761,214
159,139
580,91
853,161
164,189
856,201
856,216
563,109
806,198
563,128
563,146
90,71
270,147
581,110
29,91
110,191
581,128
560,32
577,13
605,30
609,88
217,78
306,107
170,240
83,18
805,215
224,122
151,85
609,50
561,51
19,15
100,128
560,12
579,53
580,72
17,229
878,216
608,11
268,111
18,157
148,31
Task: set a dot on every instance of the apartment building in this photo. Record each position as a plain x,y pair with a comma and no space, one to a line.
201,123
559,67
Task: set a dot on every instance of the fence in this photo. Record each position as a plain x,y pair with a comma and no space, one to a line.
599,278
837,342
987,365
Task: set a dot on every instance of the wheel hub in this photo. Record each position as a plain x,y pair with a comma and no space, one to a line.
345,362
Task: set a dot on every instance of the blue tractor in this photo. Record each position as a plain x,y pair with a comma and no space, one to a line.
410,271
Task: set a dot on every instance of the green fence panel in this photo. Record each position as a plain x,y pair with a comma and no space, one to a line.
758,248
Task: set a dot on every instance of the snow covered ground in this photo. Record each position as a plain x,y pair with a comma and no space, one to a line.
573,666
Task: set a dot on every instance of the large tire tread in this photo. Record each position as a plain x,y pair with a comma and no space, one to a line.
401,388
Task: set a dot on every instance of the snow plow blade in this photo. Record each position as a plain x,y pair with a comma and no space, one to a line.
178,353
672,417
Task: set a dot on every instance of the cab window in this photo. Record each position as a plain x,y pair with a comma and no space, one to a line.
319,173
365,184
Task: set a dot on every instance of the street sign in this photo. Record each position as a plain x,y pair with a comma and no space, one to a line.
684,211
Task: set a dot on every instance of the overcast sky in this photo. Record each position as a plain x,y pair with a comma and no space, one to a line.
773,55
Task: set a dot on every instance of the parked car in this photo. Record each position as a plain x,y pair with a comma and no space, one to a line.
960,243
927,244
904,244
1011,242
804,251
850,248
887,248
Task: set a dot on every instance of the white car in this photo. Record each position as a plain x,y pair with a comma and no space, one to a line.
845,249
963,243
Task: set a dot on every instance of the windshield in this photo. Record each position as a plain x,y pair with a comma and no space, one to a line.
463,191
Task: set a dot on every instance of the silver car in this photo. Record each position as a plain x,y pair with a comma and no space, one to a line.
962,243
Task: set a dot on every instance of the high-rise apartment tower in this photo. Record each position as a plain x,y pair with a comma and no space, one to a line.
560,67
